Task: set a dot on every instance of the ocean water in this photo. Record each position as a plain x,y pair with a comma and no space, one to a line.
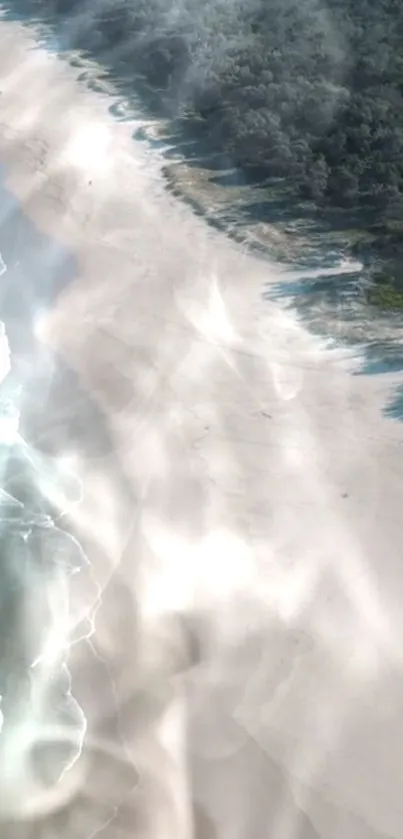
43,413
317,279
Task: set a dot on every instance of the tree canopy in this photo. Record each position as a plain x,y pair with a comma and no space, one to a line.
311,91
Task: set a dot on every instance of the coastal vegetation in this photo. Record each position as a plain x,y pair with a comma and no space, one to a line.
309,92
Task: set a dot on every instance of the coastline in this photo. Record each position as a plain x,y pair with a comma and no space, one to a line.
240,436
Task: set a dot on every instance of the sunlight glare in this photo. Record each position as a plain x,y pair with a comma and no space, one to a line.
88,148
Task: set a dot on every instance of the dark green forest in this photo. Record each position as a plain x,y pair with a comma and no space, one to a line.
310,91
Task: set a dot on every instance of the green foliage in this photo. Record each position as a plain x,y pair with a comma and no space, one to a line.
386,296
308,90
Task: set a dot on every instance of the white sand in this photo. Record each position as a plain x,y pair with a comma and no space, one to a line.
250,635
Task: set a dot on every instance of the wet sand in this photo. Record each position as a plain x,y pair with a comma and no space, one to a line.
242,508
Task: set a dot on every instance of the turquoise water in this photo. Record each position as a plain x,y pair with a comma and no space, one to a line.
43,413
36,554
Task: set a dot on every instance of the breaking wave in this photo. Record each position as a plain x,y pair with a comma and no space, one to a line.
42,726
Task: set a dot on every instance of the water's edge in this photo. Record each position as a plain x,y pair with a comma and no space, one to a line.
323,278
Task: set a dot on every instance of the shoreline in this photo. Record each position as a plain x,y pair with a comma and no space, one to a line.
261,493
375,292
322,309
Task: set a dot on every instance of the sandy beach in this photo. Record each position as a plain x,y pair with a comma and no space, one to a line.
241,511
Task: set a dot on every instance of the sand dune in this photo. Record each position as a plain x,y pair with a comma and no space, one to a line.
241,511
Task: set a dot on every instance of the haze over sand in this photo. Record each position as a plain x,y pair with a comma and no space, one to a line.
242,510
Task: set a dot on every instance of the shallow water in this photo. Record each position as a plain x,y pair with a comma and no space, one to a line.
281,528
42,724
